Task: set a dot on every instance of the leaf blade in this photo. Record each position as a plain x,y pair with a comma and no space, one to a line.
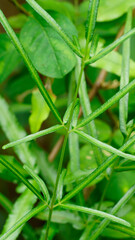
108,104
33,136
123,104
96,212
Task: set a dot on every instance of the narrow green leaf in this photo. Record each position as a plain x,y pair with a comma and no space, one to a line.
124,169
96,213
112,63
22,205
75,116
115,209
123,105
108,104
23,220
8,175
74,152
91,19
33,136
29,65
68,111
21,177
53,24
109,48
60,185
97,171
94,45
39,181
74,164
126,230
105,146
63,217
86,107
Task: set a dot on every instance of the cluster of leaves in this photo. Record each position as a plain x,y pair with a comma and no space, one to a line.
59,77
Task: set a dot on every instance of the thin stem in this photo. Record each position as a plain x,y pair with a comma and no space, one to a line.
21,177
110,47
56,185
33,136
21,8
63,153
106,186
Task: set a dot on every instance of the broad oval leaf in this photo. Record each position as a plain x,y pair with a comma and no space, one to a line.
47,50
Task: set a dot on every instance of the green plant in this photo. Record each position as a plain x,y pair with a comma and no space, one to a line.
55,53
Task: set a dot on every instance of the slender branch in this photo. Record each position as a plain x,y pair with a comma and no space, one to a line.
110,47
21,8
63,152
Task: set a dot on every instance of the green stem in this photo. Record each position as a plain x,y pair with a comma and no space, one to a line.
59,30
20,7
34,136
21,177
110,47
63,152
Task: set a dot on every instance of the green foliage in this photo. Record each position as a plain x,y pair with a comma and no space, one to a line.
62,59
9,58
25,202
82,169
40,111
